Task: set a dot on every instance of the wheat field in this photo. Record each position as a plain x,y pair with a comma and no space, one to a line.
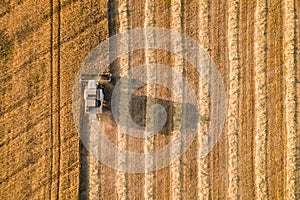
254,44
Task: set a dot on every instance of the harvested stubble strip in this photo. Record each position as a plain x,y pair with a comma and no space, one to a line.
150,56
94,166
289,45
176,24
261,120
203,186
233,104
121,182
94,178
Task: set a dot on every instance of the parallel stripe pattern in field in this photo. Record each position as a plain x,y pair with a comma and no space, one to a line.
254,45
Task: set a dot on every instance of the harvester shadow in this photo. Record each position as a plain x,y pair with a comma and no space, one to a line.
188,119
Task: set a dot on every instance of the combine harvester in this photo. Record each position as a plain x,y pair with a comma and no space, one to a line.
93,85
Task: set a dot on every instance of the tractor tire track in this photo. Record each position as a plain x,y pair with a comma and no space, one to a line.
51,101
233,105
55,99
58,97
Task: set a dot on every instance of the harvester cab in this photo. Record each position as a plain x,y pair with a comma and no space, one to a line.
94,91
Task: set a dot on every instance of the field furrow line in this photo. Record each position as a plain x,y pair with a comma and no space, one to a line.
233,104
261,119
58,97
122,138
150,57
203,174
55,99
292,135
51,103
178,62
